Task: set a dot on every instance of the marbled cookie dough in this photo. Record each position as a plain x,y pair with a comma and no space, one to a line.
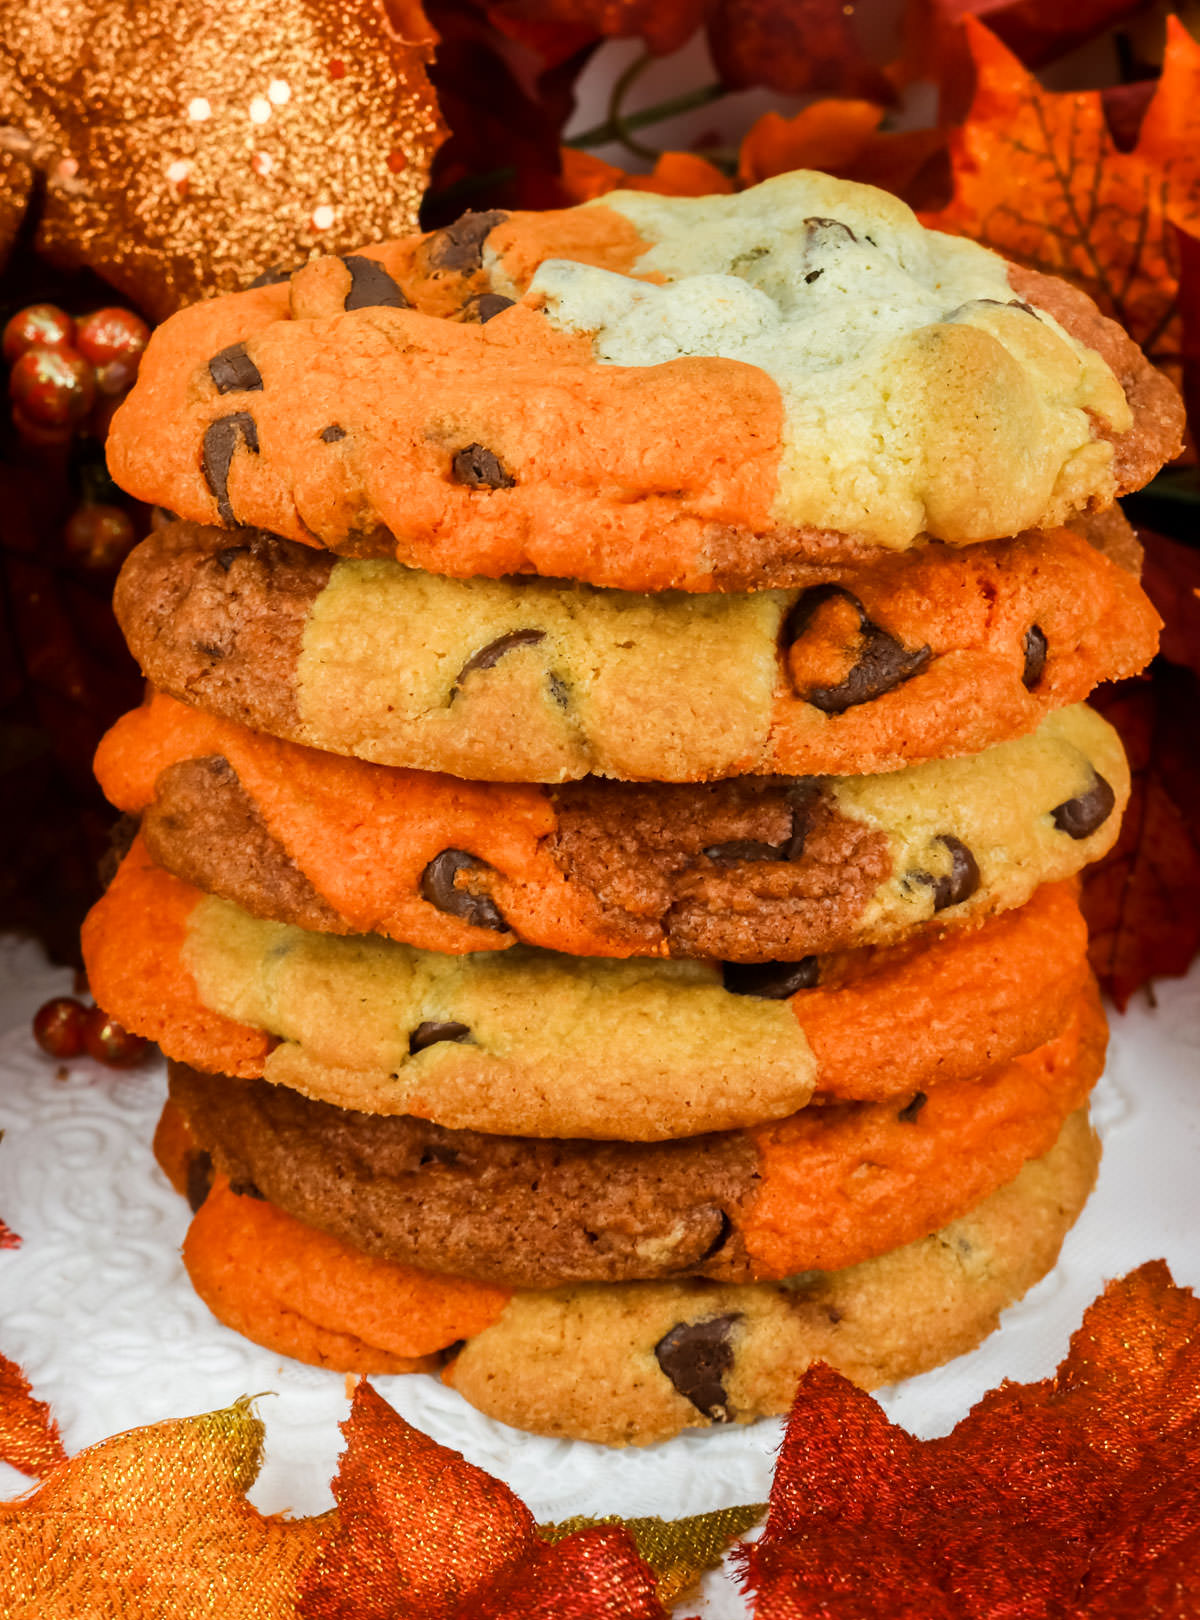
648,392
552,1045
631,1363
825,1189
753,869
873,665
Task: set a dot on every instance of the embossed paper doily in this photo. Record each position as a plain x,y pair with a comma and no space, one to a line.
96,1308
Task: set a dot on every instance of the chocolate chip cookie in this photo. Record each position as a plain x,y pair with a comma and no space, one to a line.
648,392
870,666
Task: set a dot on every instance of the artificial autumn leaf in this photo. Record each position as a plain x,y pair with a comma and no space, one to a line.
8,1238
152,1525
1142,901
29,1440
1038,177
804,47
421,1534
844,138
935,44
183,150
675,174
1070,1498
1171,579
679,1551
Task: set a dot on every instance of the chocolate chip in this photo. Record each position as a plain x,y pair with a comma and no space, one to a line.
333,433
234,372
1080,817
960,882
434,1030
460,246
271,278
908,1114
220,441
439,888
480,468
487,656
370,285
883,662
773,981
247,1189
724,1233
744,849
484,307
813,275
199,1179
818,231
227,556
1034,647
696,1356
558,692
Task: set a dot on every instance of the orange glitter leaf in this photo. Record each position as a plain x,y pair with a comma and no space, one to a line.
8,1238
29,1439
421,1534
1039,178
844,138
152,1525
1070,1498
676,174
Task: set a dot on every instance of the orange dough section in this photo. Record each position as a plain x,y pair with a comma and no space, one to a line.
631,464
363,834
928,1011
133,940
308,1295
841,1185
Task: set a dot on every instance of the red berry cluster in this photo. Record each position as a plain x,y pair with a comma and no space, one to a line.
65,1028
67,372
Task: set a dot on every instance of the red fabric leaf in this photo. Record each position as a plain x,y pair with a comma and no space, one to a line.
422,1534
808,45
29,1439
1068,1498
1142,901
420,1531
8,1238
1171,579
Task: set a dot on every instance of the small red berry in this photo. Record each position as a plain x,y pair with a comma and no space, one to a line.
40,326
112,334
58,1026
99,537
110,1042
37,432
53,387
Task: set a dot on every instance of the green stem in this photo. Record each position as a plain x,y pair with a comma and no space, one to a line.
617,129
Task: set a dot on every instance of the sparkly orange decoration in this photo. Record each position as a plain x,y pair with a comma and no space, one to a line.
188,148
29,1439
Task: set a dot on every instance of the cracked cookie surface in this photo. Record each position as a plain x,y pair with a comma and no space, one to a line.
660,392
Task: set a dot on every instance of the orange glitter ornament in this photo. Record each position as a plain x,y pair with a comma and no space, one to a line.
187,149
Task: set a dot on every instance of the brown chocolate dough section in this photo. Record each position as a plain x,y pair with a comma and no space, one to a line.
221,625
525,1212
641,852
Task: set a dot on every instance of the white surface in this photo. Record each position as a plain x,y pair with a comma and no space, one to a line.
96,1308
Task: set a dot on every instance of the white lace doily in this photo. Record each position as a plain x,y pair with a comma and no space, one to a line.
96,1308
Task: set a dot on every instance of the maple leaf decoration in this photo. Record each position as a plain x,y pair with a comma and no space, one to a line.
1039,178
152,1525
29,1439
1070,1498
1142,901
8,1238
422,1534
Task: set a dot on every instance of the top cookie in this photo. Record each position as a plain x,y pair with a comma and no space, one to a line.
648,392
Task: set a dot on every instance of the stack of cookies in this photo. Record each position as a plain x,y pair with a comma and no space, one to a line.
611,789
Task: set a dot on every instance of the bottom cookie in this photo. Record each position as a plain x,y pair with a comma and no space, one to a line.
632,1363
